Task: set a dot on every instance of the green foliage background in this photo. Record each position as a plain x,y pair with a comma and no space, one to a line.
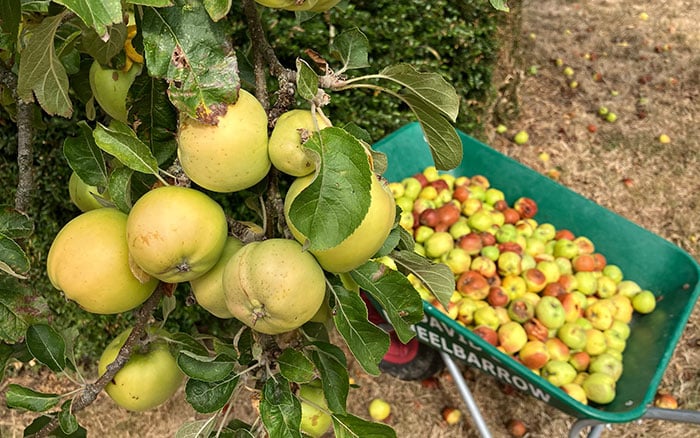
457,39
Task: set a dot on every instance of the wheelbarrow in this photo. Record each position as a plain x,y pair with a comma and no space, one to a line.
653,262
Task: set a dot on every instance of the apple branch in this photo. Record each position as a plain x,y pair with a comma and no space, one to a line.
25,138
89,393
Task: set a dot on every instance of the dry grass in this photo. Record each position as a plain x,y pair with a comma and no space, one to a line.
622,166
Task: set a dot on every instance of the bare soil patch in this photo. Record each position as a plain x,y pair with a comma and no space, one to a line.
648,73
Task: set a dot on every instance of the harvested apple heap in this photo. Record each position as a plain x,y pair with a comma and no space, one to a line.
539,294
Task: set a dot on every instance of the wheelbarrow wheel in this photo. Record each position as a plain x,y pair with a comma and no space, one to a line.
412,361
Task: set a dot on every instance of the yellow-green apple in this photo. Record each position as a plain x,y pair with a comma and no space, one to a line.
111,88
583,322
575,391
429,193
550,269
644,302
600,315
565,248
623,308
97,239
286,143
511,337
480,220
403,202
614,340
573,303
573,335
509,263
550,312
534,354
607,364
531,298
364,241
420,205
470,206
586,282
273,286
422,233
457,260
606,287
585,245
534,246
545,231
232,154
84,196
483,265
208,289
564,265
406,221
315,419
506,233
527,262
459,228
622,329
503,317
521,310
438,244
614,272
493,195
379,409
466,309
486,316
628,288
558,372
149,377
491,251
290,5
176,234
412,187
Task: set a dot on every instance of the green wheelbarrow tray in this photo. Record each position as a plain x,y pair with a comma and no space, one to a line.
650,260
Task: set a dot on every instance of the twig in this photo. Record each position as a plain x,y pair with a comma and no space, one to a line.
90,392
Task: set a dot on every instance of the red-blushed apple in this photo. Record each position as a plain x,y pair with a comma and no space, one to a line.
527,207
487,333
497,297
580,360
534,354
511,337
575,391
573,303
486,316
644,302
421,204
536,330
516,247
471,243
480,181
585,245
564,233
460,193
569,282
511,215
516,428
558,350
473,285
534,279
550,312
665,400
448,214
484,266
600,388
451,415
558,372
606,363
584,262
600,261
429,217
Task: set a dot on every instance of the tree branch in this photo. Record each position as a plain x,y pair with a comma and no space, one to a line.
90,392
25,139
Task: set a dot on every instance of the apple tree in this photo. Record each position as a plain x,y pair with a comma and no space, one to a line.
176,115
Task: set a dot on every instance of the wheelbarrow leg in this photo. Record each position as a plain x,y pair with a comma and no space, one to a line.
466,395
580,425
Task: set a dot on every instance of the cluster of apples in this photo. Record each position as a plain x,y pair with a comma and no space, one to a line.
539,294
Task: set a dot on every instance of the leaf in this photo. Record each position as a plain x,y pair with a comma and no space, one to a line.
205,368
191,52
103,51
19,308
333,369
13,259
351,426
367,342
127,148
196,429
431,88
11,13
352,48
391,241
217,9
501,5
41,72
47,346
119,188
394,293
154,3
98,15
185,342
307,81
19,397
208,397
443,140
295,366
437,277
156,119
67,421
43,420
6,352
85,157
280,411
336,202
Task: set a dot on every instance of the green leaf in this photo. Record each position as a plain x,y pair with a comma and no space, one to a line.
85,157
429,87
280,411
501,5
224,348
6,352
127,148
98,15
154,3
196,429
40,6
41,72
367,342
19,308
336,202
47,346
307,80
43,420
13,259
217,9
208,397
443,140
205,368
184,342
437,277
119,188
391,241
333,369
352,48
156,119
19,397
394,293
11,13
185,47
67,421
103,51
295,366
351,426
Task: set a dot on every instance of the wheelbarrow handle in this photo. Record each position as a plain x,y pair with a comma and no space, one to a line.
466,395
652,413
